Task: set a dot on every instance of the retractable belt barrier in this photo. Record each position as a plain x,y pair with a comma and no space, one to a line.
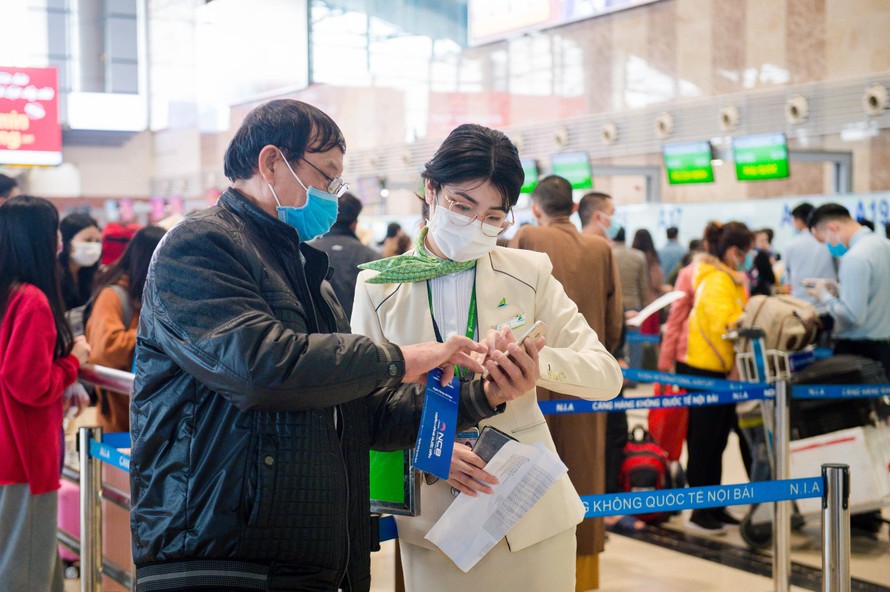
642,338
665,500
698,399
689,498
840,391
709,391
695,498
697,383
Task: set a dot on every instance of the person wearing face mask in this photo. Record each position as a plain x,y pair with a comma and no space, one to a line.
805,256
720,288
39,361
458,281
585,266
596,211
81,250
859,302
254,408
111,319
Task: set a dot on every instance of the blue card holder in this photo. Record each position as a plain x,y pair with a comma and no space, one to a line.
438,424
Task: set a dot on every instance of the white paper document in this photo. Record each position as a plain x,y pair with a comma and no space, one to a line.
653,308
471,526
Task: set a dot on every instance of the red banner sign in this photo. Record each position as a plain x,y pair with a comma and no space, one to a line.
29,117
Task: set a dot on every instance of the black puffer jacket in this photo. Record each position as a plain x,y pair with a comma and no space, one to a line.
254,411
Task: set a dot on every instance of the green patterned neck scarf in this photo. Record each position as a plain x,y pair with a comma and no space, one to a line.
419,267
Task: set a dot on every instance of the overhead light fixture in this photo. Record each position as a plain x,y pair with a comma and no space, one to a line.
797,110
609,133
664,125
876,100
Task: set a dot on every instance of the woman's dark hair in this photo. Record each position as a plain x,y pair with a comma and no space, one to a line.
732,234
769,234
473,152
643,242
293,126
133,263
28,240
75,293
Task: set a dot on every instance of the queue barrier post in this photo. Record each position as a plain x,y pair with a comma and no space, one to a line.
835,528
782,510
90,512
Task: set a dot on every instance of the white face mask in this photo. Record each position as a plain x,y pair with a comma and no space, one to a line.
86,254
458,242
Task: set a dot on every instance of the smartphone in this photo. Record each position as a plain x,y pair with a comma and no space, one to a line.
490,441
538,329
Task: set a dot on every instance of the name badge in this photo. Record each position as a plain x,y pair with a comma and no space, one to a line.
438,423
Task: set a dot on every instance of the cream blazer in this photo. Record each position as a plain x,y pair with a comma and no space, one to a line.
511,286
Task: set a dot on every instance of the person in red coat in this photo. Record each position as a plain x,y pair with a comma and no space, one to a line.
39,360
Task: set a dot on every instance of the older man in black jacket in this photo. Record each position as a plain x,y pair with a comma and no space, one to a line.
254,408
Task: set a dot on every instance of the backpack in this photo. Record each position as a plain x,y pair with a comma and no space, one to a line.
646,467
77,317
790,323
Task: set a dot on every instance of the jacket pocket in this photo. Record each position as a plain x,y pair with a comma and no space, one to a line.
261,483
528,427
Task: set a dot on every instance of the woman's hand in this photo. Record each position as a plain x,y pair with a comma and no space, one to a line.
75,396
81,349
512,374
496,340
467,474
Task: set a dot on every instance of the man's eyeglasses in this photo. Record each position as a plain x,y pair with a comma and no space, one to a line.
494,222
336,185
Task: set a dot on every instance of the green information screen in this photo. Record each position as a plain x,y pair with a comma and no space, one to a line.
388,477
573,167
760,157
530,168
688,163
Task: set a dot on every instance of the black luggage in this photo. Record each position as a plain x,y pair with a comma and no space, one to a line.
822,416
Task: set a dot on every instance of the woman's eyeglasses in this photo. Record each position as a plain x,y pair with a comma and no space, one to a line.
494,222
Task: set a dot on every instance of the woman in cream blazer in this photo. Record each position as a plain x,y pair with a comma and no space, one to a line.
512,288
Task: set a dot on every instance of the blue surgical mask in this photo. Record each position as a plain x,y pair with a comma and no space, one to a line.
837,250
748,263
613,229
316,216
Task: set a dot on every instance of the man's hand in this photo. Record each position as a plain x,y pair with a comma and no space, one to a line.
819,287
467,474
510,377
423,357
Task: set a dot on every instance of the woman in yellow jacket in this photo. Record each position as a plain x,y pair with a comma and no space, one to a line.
720,298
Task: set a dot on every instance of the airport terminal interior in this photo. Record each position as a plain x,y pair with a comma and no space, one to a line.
682,112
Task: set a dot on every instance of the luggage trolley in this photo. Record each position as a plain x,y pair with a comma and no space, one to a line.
821,431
